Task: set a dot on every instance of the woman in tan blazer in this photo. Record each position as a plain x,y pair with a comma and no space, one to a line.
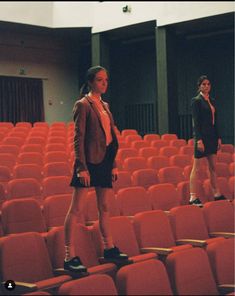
95,146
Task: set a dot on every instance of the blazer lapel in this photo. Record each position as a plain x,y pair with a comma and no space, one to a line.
93,106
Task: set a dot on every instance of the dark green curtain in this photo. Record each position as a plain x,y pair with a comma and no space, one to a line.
21,99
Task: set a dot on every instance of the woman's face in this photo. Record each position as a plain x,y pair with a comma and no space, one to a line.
100,83
205,86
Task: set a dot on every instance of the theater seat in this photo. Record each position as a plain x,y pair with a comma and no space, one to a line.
123,237
221,256
154,234
132,200
99,284
190,273
189,226
219,218
144,178
24,258
163,196
171,174
143,278
22,215
24,188
84,248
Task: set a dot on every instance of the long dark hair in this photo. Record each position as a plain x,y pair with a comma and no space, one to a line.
90,76
200,80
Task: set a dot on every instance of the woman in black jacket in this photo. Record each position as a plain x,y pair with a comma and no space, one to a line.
206,138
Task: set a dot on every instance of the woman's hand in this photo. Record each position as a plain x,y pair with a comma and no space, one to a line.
114,174
200,146
84,178
219,144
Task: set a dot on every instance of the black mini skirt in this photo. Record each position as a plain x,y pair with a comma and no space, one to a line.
100,174
211,146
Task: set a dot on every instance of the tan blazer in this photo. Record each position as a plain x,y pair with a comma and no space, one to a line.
90,139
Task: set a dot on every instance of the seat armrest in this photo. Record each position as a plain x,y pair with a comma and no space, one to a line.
90,223
193,242
20,288
223,234
159,251
226,288
74,275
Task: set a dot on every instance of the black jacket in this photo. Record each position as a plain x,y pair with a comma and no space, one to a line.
202,118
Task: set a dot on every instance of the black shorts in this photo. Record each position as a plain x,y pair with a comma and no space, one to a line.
101,173
210,145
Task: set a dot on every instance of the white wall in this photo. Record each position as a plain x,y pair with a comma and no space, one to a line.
108,15
73,14
31,13
111,15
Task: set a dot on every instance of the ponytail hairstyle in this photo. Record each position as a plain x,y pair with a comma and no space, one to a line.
200,80
90,76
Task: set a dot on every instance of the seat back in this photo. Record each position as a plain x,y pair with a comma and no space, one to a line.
55,209
169,137
134,163
22,215
188,222
123,236
127,132
157,162
219,216
221,256
168,151
98,284
24,257
56,185
143,278
132,200
180,160
163,196
171,174
24,188
56,169
123,180
30,157
144,177
84,246
153,229
29,170
190,273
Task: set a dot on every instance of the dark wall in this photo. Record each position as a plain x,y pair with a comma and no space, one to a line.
213,56
132,78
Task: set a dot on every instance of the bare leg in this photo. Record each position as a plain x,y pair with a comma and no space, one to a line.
102,202
213,178
194,177
73,214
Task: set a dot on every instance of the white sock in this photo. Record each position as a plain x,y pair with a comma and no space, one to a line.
67,253
192,196
217,194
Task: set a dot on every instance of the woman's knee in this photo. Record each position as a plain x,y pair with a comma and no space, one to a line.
103,207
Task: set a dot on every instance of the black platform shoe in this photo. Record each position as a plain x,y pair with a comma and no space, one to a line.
74,265
114,253
221,197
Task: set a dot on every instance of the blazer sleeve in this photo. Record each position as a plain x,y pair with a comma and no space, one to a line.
79,115
195,105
